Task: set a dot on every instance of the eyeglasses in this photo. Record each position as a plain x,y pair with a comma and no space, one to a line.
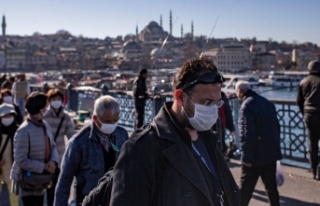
218,103
207,78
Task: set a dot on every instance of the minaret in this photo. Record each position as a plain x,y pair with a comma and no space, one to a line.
4,25
192,30
137,33
161,20
170,22
181,31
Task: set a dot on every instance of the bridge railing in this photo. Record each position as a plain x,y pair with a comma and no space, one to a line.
293,132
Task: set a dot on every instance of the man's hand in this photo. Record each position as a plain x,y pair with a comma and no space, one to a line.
246,164
50,167
233,133
2,163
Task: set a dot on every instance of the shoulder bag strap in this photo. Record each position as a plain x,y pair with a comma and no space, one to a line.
59,127
4,146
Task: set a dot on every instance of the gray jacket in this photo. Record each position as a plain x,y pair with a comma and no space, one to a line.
35,162
84,159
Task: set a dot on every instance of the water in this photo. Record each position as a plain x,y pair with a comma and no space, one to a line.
278,92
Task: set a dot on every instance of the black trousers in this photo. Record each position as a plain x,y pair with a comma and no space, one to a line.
139,116
52,189
33,200
249,178
312,124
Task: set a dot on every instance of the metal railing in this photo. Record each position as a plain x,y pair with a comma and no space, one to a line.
293,132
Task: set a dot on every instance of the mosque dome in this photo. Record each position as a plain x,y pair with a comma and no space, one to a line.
153,25
131,45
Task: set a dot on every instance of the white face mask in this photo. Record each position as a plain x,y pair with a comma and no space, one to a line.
107,128
56,104
7,121
7,99
204,117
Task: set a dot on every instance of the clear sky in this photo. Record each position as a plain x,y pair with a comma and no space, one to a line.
280,20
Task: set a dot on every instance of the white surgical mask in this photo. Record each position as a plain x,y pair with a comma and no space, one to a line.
107,128
56,104
7,121
7,99
204,117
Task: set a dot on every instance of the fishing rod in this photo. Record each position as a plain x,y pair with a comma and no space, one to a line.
164,42
208,40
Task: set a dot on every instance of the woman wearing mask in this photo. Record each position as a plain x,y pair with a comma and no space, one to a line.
7,130
61,126
35,152
6,97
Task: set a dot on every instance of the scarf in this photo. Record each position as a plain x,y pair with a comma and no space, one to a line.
40,123
103,138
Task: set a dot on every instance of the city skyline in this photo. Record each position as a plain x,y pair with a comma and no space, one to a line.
281,21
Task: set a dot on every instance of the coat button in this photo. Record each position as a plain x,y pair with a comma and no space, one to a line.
187,194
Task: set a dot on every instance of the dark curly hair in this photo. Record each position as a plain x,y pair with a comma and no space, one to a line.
191,70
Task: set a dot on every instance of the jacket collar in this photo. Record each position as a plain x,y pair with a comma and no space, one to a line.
180,154
248,94
53,113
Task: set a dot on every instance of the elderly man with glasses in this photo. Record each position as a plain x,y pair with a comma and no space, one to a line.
174,160
91,152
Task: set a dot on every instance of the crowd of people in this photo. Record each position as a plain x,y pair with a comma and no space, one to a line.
177,159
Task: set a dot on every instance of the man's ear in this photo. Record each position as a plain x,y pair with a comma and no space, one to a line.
94,118
179,97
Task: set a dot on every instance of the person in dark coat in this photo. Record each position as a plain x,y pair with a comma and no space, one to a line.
225,115
308,101
174,160
6,97
140,96
259,132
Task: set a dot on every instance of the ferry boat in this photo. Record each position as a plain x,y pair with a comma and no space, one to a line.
283,78
231,80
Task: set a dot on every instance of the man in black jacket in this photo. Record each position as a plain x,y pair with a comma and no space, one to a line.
308,101
174,160
259,132
139,96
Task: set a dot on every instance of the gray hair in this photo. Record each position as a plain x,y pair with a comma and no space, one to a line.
105,103
243,86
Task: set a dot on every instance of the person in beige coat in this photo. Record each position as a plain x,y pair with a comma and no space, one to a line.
8,127
34,148
62,126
